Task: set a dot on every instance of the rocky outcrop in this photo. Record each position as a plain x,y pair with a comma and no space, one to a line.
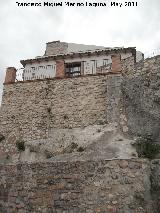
78,144
141,100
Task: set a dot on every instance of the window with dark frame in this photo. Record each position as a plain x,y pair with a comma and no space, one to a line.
105,62
73,69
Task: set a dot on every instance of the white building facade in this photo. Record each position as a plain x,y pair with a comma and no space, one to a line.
85,60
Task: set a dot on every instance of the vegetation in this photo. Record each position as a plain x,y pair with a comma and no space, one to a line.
20,145
74,145
146,147
1,137
48,154
80,149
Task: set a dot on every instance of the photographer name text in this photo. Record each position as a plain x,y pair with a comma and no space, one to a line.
78,4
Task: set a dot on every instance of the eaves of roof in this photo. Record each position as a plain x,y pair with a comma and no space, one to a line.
79,55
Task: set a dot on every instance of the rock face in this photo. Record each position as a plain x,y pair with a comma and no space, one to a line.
91,143
141,100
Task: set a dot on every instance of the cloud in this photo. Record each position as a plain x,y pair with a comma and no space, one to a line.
24,31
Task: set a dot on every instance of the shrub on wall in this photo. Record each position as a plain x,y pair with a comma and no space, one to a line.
146,147
1,137
20,145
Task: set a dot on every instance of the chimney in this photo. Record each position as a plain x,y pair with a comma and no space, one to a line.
56,48
10,75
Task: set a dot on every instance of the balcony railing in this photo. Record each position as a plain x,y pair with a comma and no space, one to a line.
25,75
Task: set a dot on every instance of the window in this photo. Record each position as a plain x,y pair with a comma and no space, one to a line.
73,69
105,62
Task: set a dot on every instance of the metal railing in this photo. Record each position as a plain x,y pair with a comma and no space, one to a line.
25,75
19,74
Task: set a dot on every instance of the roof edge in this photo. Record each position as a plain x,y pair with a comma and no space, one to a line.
77,54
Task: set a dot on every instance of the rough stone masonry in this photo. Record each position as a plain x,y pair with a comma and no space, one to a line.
121,186
40,111
30,110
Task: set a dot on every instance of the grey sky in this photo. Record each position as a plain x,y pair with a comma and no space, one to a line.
24,31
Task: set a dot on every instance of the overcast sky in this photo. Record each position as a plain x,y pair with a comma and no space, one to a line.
24,31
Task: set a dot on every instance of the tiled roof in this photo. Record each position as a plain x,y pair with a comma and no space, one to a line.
79,54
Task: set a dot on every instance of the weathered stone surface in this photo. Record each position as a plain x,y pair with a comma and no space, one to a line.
140,100
41,112
79,144
78,187
32,110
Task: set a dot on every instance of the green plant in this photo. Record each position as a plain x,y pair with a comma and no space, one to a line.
80,149
49,109
1,137
48,154
65,117
98,130
74,145
20,145
7,157
146,147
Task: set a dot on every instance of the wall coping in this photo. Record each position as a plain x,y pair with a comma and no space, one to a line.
62,78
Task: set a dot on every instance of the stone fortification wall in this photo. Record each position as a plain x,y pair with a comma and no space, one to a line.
117,186
128,66
141,99
148,66
155,183
30,109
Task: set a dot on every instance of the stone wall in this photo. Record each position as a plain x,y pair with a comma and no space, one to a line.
128,66
30,109
117,186
155,184
148,66
141,99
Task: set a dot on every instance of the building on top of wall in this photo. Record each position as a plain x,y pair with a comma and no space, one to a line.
63,59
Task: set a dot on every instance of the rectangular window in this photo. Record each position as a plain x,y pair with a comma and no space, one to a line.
105,62
73,69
